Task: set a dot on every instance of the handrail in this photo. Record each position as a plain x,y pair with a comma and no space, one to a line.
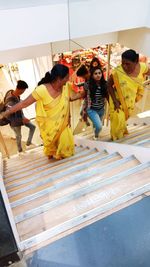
4,145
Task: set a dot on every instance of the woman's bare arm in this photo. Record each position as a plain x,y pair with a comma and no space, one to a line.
23,104
76,96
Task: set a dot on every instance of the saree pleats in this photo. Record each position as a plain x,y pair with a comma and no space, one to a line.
52,116
127,91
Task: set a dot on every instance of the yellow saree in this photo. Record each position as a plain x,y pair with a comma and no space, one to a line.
52,116
129,91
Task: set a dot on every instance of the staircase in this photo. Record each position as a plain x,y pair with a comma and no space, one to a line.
50,199
139,135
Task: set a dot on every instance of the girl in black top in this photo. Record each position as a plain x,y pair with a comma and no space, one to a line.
96,92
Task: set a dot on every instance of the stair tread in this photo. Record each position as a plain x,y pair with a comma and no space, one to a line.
52,170
26,160
51,196
52,164
72,188
135,131
82,205
46,184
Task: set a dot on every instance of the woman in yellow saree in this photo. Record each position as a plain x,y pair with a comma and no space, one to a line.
52,112
125,87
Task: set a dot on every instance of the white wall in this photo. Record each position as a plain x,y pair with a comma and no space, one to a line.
138,39
148,16
96,40
84,42
31,26
29,52
35,25
23,53
103,16
31,32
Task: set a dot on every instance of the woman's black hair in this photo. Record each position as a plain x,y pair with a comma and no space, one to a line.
58,71
95,59
83,70
130,55
93,84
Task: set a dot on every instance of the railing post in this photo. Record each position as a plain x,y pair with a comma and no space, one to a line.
4,145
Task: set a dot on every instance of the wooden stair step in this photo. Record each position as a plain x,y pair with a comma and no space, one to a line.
38,180
106,137
71,191
144,143
52,167
25,161
41,165
44,186
132,131
133,135
21,165
137,139
105,133
88,206
13,161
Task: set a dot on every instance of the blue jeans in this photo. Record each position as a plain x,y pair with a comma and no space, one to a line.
18,135
96,117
